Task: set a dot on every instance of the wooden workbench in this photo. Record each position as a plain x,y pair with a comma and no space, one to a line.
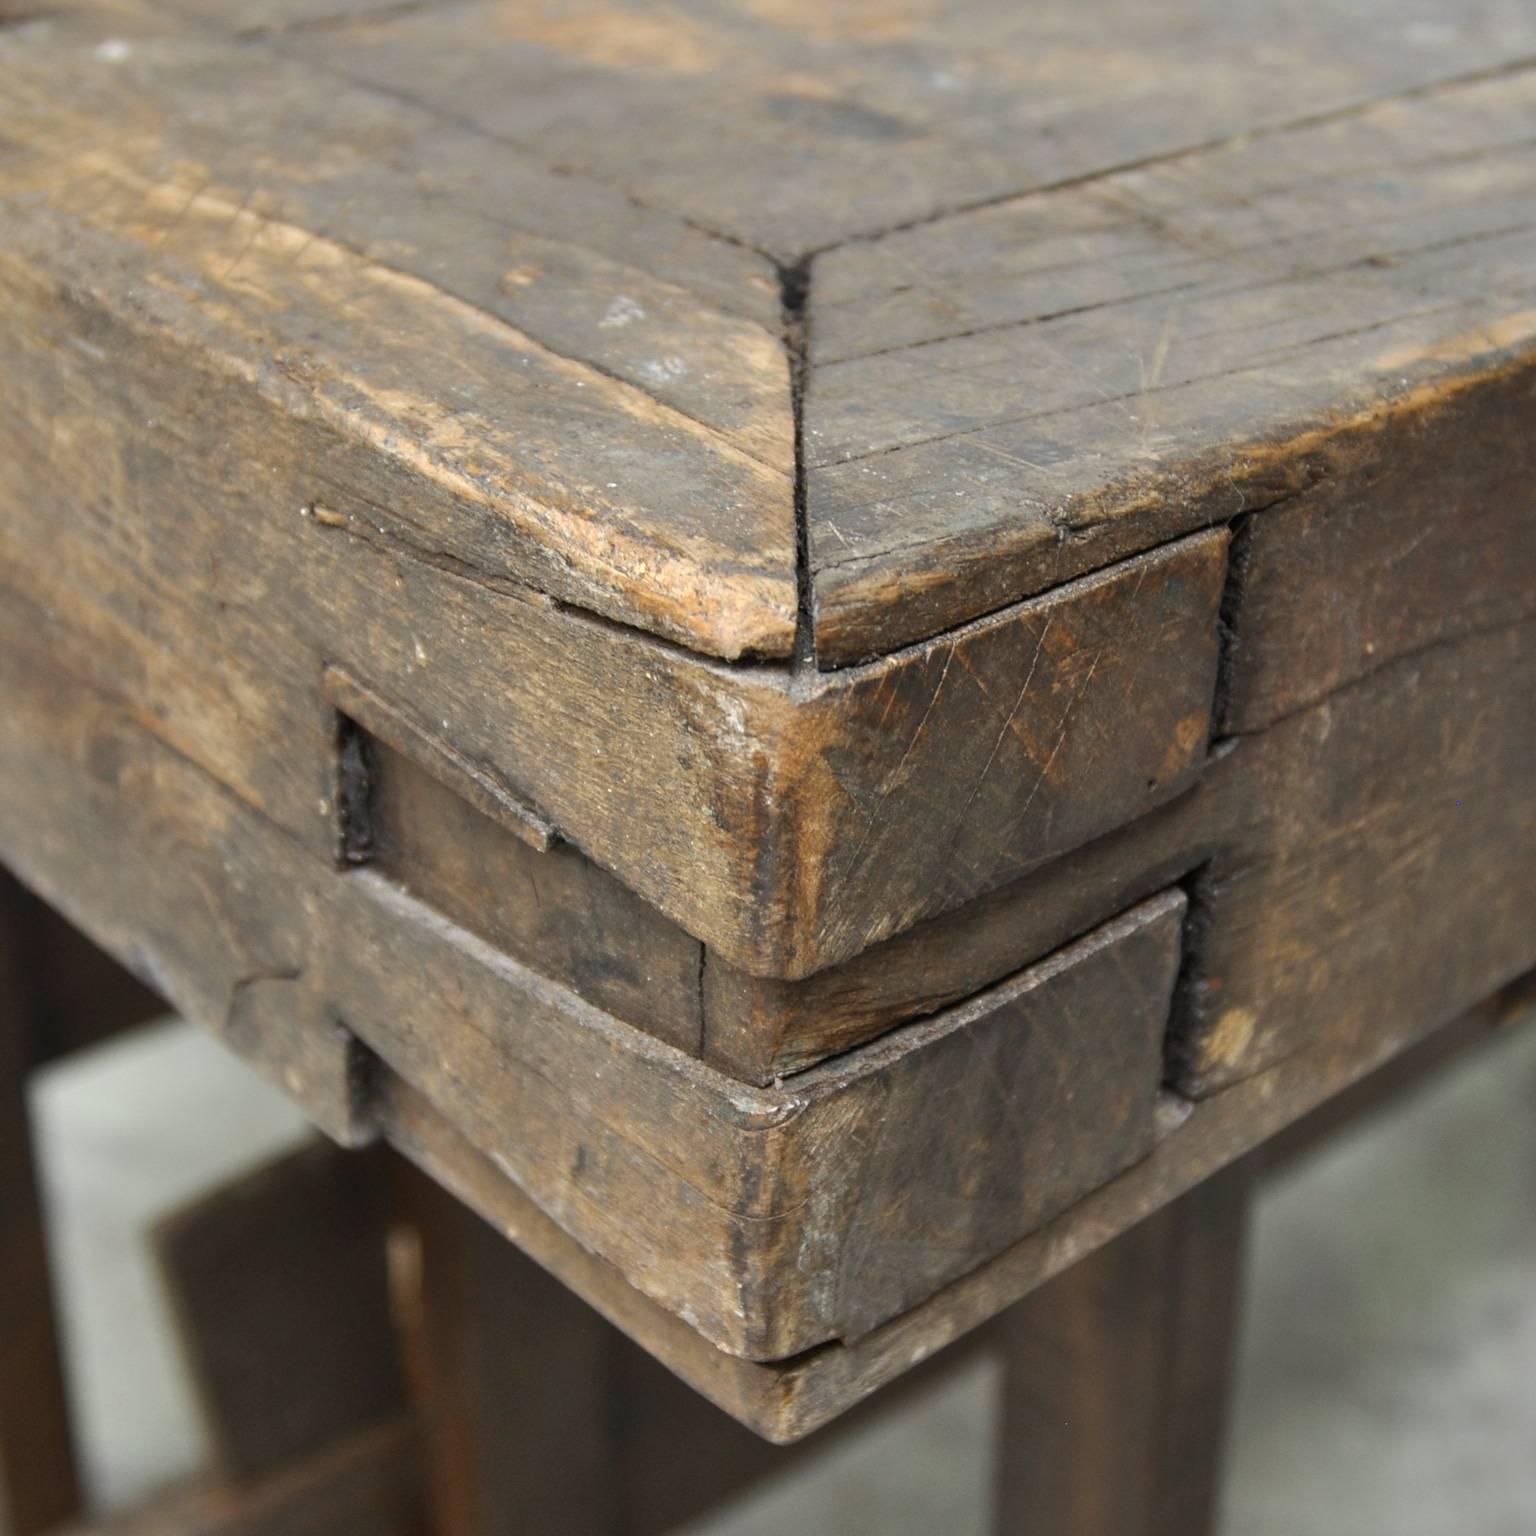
819,654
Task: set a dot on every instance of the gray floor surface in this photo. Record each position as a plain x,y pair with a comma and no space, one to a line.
1388,1382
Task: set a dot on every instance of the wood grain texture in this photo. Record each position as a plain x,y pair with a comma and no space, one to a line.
555,911
1382,876
947,770
1428,538
788,127
1007,397
772,1219
1118,1375
788,1400
721,796
220,631
338,273
760,1028
567,919
537,1413
1167,519
1007,385
1381,669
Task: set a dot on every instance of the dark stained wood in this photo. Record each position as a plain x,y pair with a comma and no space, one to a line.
562,916
1381,879
83,994
1158,212
1117,1378
404,471
538,1414
758,1028
407,946
39,1486
566,918
280,1291
373,730
512,1380
772,1218
1374,782
721,796
951,768
1427,539
658,1412
555,910
718,1199
365,1486
787,1400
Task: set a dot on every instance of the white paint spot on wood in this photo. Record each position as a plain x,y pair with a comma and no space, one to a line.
661,369
621,312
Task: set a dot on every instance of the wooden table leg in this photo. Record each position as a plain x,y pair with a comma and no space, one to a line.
1117,1378
511,1377
536,1414
39,1484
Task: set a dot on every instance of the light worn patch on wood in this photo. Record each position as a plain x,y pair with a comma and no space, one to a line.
632,451
773,815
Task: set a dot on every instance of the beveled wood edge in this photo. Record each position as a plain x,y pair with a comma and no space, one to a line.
474,782
864,621
785,1401
635,565
740,835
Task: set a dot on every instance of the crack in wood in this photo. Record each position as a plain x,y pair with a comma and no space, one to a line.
1214,145
795,294
1300,273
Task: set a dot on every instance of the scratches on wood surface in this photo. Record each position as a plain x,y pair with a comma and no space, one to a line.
463,350
1154,347
314,283
317,385
708,1192
1004,388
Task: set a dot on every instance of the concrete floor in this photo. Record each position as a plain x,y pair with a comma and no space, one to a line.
1388,1380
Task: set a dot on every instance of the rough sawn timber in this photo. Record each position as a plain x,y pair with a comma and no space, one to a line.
375,298
721,796
685,675
773,1219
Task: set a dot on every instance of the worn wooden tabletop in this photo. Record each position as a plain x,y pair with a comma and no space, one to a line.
819,653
